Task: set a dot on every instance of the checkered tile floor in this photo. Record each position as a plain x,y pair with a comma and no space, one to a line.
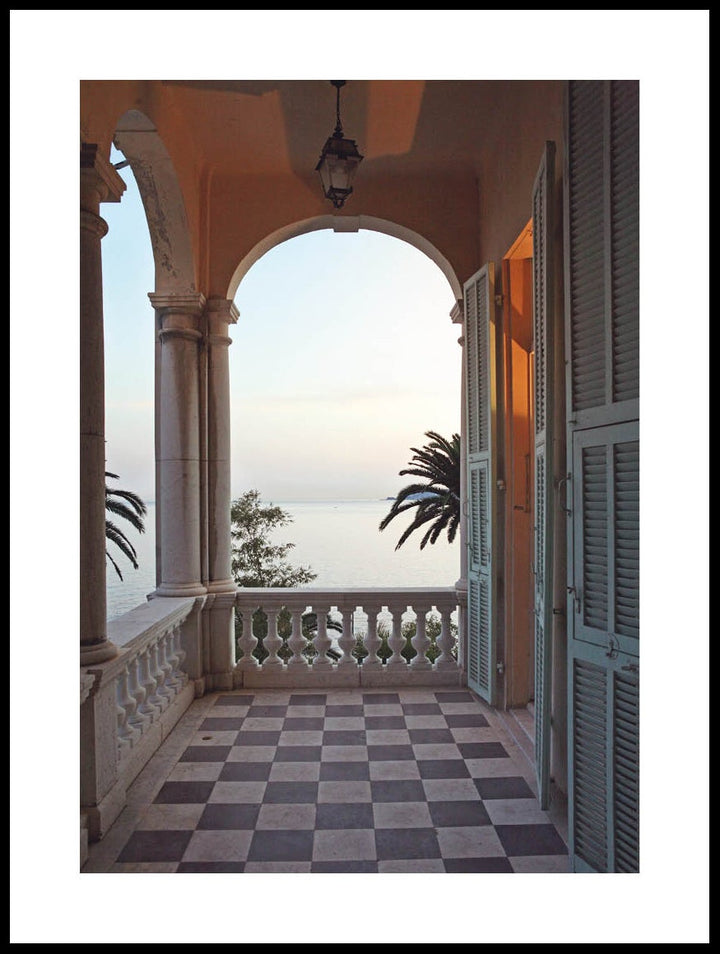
344,780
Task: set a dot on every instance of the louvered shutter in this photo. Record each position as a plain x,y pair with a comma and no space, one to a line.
602,399
543,296
481,404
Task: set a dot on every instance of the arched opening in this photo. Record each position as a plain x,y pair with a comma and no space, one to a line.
344,355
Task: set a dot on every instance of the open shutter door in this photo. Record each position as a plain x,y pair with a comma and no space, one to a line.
481,404
602,335
543,321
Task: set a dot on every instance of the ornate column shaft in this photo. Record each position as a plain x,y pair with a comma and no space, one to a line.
179,443
99,182
220,313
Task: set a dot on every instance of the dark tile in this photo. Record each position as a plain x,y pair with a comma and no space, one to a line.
155,846
267,712
221,725
179,793
343,711
385,722
460,814
349,815
298,753
221,817
443,768
312,699
530,840
421,708
303,725
234,700
430,736
344,737
482,750
205,753
454,696
257,737
478,865
345,867
290,793
466,720
278,845
344,772
380,698
245,772
511,786
210,867
390,753
403,843
397,790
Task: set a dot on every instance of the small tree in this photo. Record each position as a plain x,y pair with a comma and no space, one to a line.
258,562
255,560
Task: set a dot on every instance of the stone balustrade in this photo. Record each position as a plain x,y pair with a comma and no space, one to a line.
347,636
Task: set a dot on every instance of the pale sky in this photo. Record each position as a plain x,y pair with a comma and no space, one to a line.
343,356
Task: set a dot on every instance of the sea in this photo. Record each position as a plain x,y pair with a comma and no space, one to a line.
338,539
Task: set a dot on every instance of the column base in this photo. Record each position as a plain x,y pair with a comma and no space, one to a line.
93,653
180,589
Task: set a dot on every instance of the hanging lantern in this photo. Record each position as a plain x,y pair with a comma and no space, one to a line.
338,161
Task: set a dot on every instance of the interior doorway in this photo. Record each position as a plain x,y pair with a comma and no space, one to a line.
517,378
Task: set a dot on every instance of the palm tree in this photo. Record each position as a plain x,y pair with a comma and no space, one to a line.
125,504
437,500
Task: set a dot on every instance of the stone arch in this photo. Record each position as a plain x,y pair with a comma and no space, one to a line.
345,223
139,141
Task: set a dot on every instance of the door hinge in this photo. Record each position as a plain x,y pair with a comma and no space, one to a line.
500,667
499,299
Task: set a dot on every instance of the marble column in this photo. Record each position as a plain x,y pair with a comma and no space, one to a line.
179,489
99,182
219,314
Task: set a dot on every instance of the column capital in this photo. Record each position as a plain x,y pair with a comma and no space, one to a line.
223,309
182,303
457,313
97,174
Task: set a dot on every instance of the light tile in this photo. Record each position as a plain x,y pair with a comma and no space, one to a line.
402,815
516,811
214,737
260,724
233,793
477,842
404,769
352,845
486,768
307,737
344,753
305,712
145,867
450,789
286,817
174,817
195,772
425,722
338,723
277,867
223,845
388,737
251,753
426,751
342,792
471,733
295,772
541,864
412,865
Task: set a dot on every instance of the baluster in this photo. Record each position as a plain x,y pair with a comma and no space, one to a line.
158,699
248,641
321,642
297,641
420,642
446,641
126,704
396,640
180,655
372,641
346,642
168,687
137,718
273,640
149,684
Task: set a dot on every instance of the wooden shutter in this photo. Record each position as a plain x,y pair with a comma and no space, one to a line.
543,320
481,479
602,399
